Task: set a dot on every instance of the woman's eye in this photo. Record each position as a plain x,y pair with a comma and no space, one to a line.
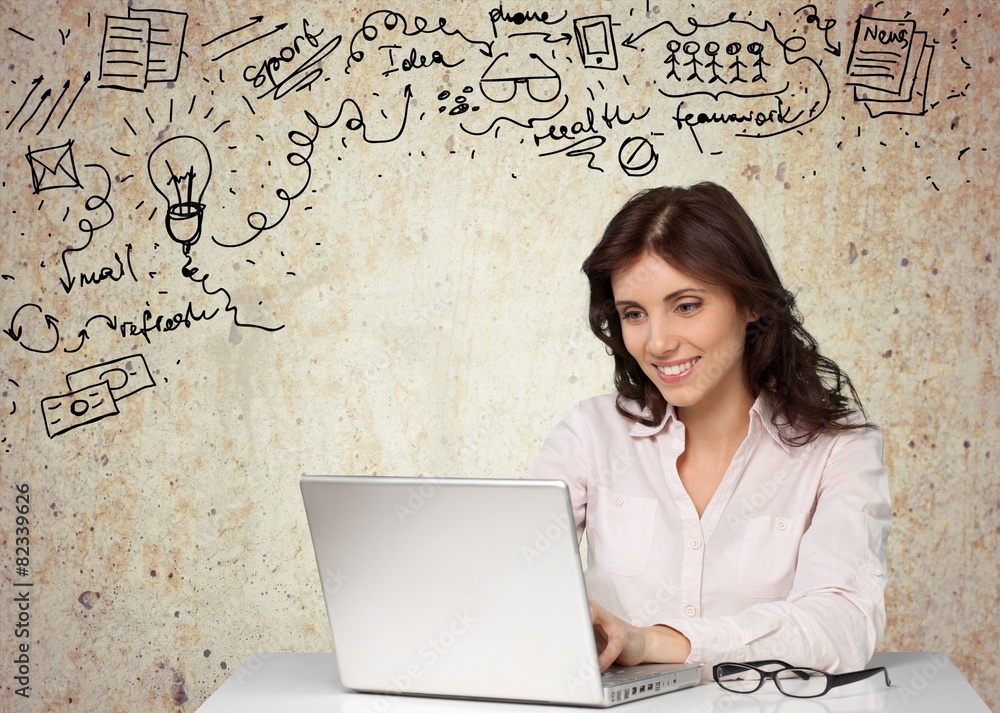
631,315
688,307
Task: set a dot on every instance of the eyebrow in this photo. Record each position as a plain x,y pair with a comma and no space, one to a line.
672,296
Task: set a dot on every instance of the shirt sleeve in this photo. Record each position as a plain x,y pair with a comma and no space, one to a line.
564,457
834,615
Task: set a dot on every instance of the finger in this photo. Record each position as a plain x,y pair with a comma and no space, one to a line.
609,654
600,637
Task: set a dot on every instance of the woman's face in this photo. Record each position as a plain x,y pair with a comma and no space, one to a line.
687,336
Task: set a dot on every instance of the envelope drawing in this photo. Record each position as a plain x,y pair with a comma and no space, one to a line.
53,167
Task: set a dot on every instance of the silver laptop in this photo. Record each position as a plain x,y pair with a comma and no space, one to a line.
466,588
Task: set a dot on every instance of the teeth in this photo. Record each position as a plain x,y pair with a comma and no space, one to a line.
677,369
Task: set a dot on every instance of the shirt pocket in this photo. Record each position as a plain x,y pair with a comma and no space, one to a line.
769,555
621,531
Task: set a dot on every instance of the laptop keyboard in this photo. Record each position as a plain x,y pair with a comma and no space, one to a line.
613,676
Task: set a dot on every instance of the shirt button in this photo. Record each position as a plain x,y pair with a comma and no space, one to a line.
781,524
618,500
696,544
691,610
877,572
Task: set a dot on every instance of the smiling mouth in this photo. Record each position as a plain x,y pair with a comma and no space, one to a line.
677,369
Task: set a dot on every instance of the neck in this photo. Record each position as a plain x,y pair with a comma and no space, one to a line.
719,422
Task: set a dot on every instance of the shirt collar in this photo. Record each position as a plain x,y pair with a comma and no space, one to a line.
765,415
760,416
641,430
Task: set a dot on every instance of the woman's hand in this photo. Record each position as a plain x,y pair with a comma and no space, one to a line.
620,642
617,640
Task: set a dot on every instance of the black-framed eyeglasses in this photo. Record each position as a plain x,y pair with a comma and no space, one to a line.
794,681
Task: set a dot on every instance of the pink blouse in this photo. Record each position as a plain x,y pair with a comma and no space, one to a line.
787,561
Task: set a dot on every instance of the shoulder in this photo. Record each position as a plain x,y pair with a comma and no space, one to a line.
597,419
852,429
851,452
602,411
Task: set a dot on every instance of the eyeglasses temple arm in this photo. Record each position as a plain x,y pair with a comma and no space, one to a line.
842,679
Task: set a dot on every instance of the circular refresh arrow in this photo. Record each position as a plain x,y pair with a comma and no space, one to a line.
15,332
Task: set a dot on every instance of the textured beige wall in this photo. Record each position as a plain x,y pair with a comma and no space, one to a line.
424,273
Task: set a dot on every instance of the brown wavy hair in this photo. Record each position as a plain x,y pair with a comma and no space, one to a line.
703,232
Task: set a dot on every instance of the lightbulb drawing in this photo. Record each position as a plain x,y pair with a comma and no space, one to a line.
180,169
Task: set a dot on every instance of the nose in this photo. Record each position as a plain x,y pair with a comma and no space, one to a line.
661,339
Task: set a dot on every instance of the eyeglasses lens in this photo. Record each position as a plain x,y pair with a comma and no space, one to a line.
738,679
801,682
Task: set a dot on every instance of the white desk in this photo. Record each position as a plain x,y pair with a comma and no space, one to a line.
309,683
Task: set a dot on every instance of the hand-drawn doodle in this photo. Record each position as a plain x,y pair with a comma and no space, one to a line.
259,221
125,54
48,116
95,393
166,42
144,47
94,202
180,169
267,73
41,100
256,19
879,55
6,411
637,156
148,323
21,34
728,78
823,25
38,337
498,14
736,90
68,411
363,41
34,85
53,167
500,81
889,66
86,81
124,376
596,42
96,277
461,100
13,403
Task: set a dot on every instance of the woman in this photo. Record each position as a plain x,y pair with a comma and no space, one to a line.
733,494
